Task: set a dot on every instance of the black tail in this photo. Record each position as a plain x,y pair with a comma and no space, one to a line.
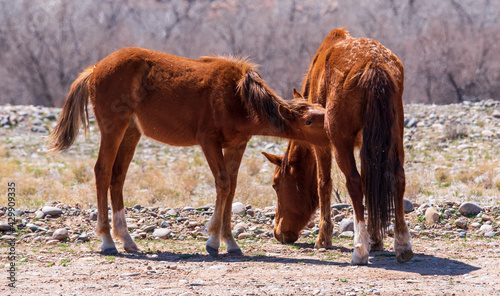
379,159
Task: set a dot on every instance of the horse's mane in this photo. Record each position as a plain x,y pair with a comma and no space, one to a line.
260,100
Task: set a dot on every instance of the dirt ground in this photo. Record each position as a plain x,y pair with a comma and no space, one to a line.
439,267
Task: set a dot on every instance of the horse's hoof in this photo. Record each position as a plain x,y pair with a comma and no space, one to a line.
132,249
327,244
212,251
379,246
404,256
110,251
237,252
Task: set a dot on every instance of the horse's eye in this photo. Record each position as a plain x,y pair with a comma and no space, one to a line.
309,122
275,186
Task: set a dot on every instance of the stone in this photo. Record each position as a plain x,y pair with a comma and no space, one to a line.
84,237
338,217
485,228
53,211
39,215
148,228
18,212
340,206
52,242
138,207
132,226
490,234
431,215
93,216
162,233
187,209
240,228
470,208
346,225
408,205
32,227
424,206
5,226
244,235
347,234
172,212
487,133
164,224
462,223
60,234
238,208
250,212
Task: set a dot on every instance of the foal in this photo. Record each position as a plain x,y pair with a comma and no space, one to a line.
360,83
217,103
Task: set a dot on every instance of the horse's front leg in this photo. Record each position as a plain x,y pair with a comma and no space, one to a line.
215,159
232,158
323,157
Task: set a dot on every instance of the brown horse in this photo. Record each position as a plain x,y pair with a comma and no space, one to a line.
217,103
360,83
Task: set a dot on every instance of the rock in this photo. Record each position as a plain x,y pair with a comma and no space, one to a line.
84,237
408,205
470,208
244,235
487,133
93,216
132,226
60,234
39,215
53,211
148,228
172,212
250,212
346,225
240,228
390,229
162,233
475,225
338,217
52,242
424,206
164,224
138,207
187,209
462,223
487,218
238,208
431,215
490,234
5,226
348,234
412,122
32,227
306,233
18,213
340,206
485,228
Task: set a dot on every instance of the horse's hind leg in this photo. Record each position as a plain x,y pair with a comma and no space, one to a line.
402,244
347,164
111,136
232,158
120,167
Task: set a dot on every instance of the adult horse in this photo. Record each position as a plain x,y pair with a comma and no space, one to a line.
217,103
360,83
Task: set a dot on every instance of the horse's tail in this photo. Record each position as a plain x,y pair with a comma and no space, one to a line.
73,114
379,158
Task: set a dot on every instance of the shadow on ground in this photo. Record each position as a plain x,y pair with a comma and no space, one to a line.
420,264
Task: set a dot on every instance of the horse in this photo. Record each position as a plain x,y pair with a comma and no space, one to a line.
360,83
218,103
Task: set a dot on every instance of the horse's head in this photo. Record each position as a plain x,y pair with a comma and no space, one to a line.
296,187
306,120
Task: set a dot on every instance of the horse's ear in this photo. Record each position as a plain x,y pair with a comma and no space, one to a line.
297,95
274,159
285,113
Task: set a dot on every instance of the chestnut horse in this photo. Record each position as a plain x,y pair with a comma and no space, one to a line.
360,83
217,103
